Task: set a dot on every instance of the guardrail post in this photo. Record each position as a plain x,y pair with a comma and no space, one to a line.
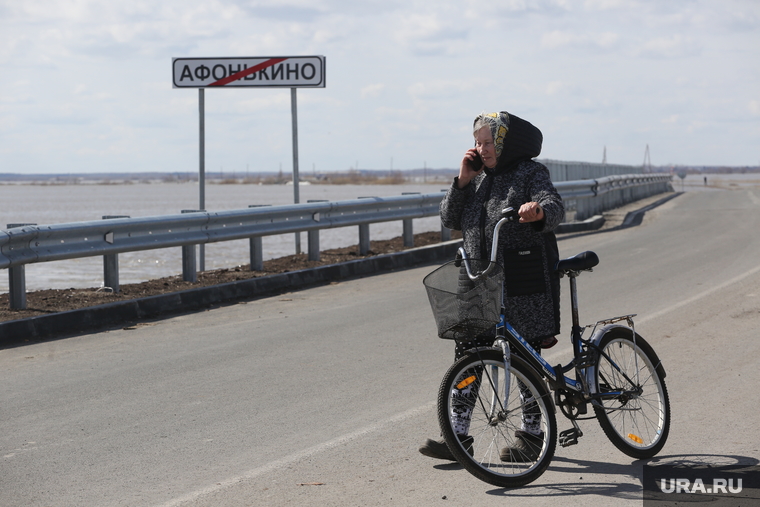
189,270
256,246
364,233
363,239
17,281
17,287
408,231
189,273
313,236
111,262
257,253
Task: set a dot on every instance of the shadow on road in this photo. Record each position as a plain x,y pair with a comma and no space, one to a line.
577,468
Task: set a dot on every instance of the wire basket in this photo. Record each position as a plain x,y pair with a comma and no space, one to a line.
464,308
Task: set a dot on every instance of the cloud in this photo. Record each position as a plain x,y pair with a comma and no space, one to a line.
560,39
742,19
283,12
505,9
603,5
611,65
554,87
441,89
670,47
430,33
372,91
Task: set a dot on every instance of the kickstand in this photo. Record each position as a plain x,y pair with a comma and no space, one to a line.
571,436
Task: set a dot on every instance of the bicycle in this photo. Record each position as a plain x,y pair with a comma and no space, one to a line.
482,411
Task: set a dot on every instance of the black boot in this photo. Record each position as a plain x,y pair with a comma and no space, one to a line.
527,448
439,450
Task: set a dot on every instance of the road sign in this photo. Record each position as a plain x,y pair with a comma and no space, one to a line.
263,72
247,72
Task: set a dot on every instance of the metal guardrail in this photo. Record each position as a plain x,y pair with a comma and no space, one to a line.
591,197
28,244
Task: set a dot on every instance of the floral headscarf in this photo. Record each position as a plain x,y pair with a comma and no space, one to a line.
513,137
499,125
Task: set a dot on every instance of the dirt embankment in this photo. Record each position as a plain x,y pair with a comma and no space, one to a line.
60,300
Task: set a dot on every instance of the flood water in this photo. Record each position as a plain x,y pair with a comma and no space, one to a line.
52,204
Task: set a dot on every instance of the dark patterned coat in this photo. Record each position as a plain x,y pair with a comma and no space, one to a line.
528,252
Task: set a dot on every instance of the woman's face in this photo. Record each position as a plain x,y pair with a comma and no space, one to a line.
485,147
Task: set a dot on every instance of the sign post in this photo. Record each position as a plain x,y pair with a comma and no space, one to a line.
248,72
682,175
202,167
296,197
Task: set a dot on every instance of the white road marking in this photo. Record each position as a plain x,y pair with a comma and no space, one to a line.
287,460
699,296
553,356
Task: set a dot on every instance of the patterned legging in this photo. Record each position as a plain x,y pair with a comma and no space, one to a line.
464,399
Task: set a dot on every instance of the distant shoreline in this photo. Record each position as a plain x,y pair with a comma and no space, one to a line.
351,176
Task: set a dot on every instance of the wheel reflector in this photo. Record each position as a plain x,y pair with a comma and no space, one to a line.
469,380
635,438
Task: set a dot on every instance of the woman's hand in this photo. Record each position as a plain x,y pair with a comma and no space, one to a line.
469,168
530,212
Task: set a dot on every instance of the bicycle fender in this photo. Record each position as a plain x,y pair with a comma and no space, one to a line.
596,338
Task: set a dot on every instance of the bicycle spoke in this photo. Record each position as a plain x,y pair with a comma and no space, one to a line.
634,410
494,422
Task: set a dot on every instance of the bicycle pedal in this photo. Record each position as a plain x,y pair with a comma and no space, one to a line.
569,437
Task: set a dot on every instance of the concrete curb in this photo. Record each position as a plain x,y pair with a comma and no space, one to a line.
634,218
590,224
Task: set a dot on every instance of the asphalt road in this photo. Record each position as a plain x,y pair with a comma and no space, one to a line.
321,397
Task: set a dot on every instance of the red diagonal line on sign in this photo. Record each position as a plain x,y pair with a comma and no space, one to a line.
243,73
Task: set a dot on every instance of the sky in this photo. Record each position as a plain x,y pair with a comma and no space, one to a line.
86,85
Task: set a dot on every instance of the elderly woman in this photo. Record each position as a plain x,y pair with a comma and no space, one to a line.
497,173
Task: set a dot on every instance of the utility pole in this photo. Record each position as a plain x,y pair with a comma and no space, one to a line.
647,161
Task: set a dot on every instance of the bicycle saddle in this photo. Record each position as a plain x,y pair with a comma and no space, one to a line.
578,262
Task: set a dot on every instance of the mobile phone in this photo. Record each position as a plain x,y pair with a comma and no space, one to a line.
477,162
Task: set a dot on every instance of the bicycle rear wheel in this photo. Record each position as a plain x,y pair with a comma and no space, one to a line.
473,393
637,420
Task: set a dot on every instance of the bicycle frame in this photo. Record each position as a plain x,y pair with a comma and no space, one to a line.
582,361
538,363
614,370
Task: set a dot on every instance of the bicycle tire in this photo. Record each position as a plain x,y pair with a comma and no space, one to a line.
492,433
637,424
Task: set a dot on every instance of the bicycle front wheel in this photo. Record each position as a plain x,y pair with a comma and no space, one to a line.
634,408
500,427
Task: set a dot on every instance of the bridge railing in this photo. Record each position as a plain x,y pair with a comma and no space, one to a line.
591,197
26,244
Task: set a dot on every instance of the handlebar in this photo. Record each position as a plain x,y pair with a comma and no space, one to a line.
507,215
